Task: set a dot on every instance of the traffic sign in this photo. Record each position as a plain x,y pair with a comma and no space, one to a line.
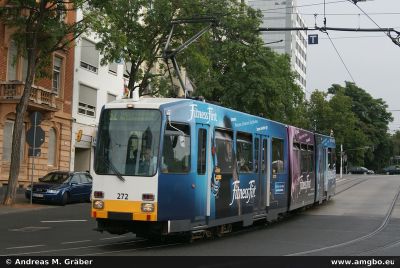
35,136
313,39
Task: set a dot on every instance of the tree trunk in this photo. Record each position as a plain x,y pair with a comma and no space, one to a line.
21,108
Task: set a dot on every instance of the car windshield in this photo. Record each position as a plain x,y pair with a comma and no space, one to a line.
55,178
128,142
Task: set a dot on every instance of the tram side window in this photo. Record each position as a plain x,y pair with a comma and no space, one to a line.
304,156
176,149
331,158
256,153
244,147
277,156
224,145
201,151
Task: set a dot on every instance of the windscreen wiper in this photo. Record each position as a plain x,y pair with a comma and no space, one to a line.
113,168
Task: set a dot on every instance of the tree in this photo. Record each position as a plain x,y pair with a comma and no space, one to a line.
395,140
373,121
40,28
232,66
228,64
359,121
134,32
334,112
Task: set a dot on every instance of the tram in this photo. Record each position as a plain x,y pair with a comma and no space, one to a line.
182,166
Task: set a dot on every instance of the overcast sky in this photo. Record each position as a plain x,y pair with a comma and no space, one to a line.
372,58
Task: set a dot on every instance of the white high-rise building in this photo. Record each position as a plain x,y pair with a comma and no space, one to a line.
94,85
284,14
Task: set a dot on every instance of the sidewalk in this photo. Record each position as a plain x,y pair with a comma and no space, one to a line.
21,204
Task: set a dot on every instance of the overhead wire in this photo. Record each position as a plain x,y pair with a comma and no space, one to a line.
332,14
395,40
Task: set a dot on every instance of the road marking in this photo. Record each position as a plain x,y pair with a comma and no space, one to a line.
114,237
29,229
73,242
63,221
33,246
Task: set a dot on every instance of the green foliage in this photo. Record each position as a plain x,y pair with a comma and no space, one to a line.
40,29
228,64
231,66
359,121
134,31
395,141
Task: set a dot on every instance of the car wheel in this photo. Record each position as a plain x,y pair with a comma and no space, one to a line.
65,199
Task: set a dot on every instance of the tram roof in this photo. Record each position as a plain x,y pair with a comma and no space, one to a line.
143,102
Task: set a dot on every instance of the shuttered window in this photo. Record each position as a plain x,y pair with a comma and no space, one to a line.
113,67
87,100
51,158
7,141
89,56
111,97
11,62
127,69
57,65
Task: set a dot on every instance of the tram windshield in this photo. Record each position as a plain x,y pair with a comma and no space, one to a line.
128,142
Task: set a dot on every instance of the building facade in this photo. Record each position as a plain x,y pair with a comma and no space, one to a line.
284,14
93,86
52,97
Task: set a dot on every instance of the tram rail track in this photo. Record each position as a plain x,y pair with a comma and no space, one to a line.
365,237
136,244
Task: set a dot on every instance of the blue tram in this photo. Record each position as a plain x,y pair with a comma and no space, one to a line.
171,166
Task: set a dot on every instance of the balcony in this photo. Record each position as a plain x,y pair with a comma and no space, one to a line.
39,99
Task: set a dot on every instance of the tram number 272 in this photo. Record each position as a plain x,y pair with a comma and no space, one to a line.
122,196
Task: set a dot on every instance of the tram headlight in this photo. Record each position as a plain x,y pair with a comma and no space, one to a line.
98,204
147,207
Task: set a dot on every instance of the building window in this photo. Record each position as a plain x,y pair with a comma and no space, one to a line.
112,68
51,157
127,69
12,62
89,56
24,68
87,100
16,64
7,142
57,65
111,97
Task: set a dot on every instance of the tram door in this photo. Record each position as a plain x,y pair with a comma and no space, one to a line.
203,165
261,169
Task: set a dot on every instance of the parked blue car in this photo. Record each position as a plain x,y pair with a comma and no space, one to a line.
61,187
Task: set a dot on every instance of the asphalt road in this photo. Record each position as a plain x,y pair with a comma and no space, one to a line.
362,219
